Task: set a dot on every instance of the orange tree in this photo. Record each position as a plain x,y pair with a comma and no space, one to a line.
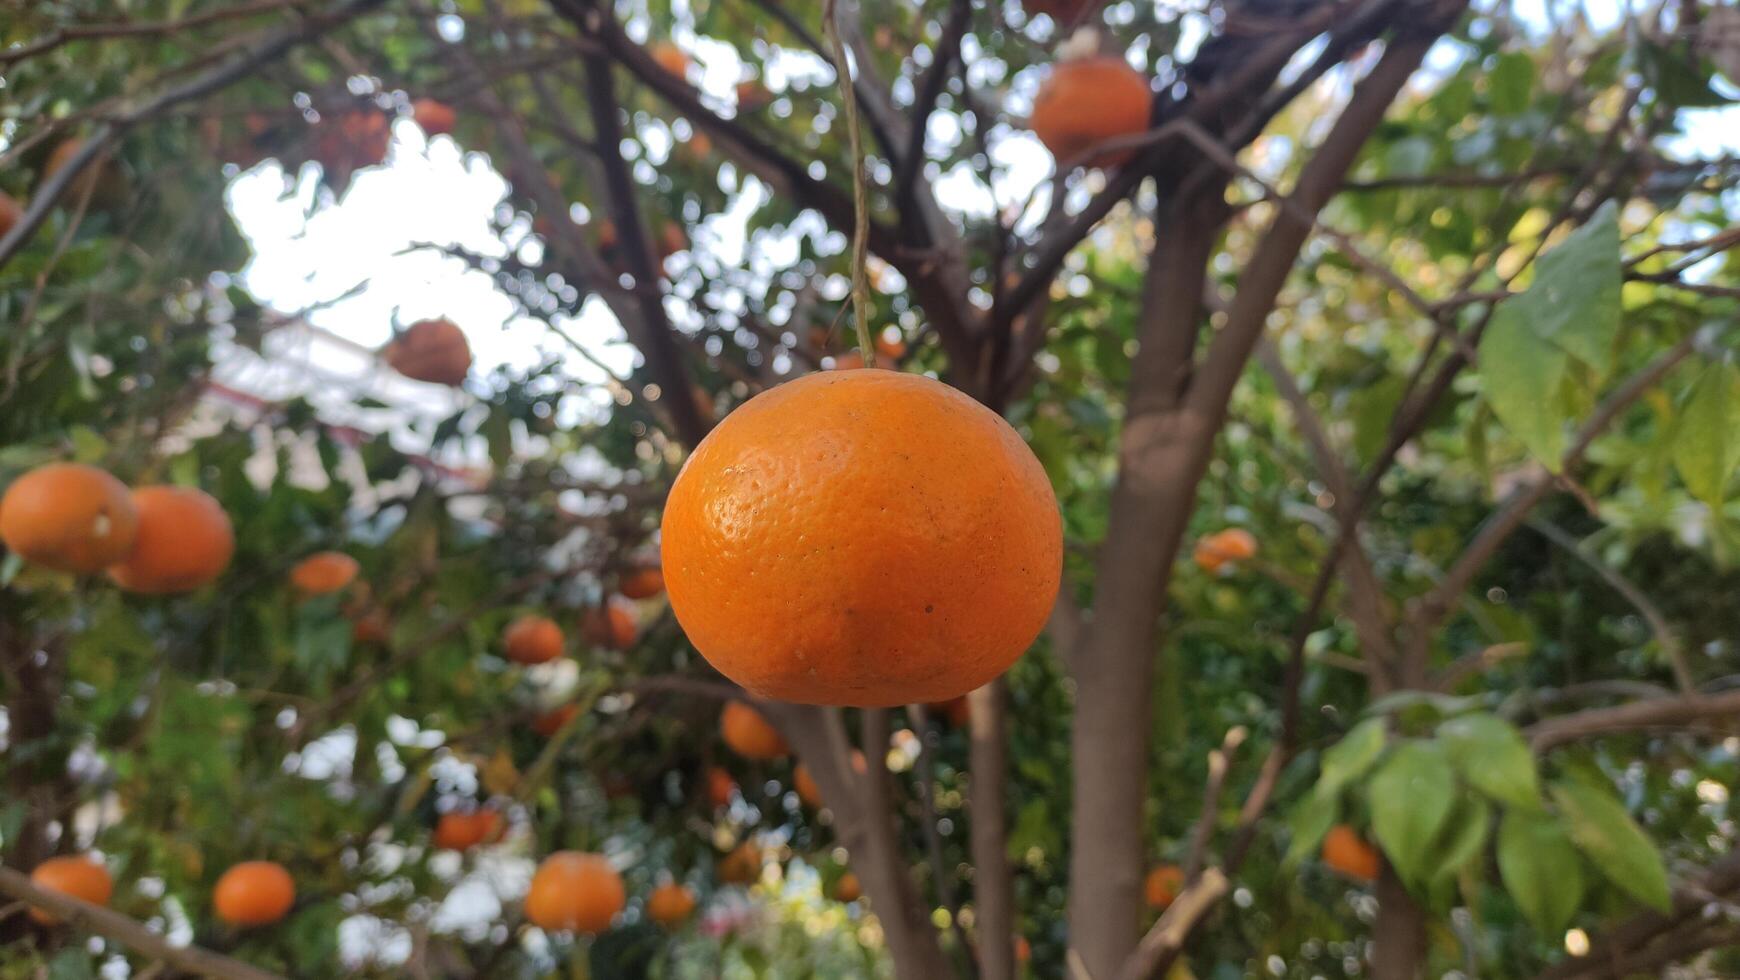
1428,302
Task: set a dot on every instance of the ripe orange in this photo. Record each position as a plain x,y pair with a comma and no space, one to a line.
863,538
254,893
720,786
432,117
575,891
669,904
69,517
435,351
1163,885
1224,547
806,787
185,541
1086,101
532,640
749,734
612,626
551,722
642,583
11,212
77,876
1347,852
371,629
324,573
741,866
671,58
464,831
1023,949
847,888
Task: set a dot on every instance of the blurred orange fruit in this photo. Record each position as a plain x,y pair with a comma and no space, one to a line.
532,640
575,891
749,734
69,517
254,893
77,876
185,541
324,573
1084,102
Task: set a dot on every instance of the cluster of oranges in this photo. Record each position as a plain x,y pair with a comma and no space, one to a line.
155,540
253,893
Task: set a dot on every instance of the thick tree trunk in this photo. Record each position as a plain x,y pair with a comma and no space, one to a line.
33,680
1399,935
993,880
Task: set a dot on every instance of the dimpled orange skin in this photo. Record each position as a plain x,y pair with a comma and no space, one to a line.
863,538
78,876
185,541
254,893
324,573
575,891
1087,101
69,517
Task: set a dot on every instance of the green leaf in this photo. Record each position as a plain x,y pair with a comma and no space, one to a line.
1706,448
1309,821
1541,870
1510,81
1352,757
70,964
1411,796
1602,829
1493,758
1517,370
1463,838
1574,299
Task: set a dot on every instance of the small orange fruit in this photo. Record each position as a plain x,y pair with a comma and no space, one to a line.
77,876
611,626
553,721
749,734
671,58
890,348
575,891
324,573
864,538
532,640
435,351
847,888
432,117
1347,852
185,541
806,787
11,212
741,866
720,787
1086,101
670,904
254,893
464,831
1163,885
371,629
642,583
69,517
1023,949
1223,548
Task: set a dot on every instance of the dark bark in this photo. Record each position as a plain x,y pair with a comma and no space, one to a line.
993,879
1399,935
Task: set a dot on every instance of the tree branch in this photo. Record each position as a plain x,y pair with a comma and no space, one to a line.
993,879
1636,716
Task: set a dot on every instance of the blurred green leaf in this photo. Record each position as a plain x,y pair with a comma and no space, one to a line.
1492,756
1602,829
1411,795
1541,869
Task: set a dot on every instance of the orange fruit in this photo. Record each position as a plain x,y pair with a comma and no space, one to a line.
671,58
464,831
11,212
575,891
371,629
1086,101
105,184
551,722
611,626
185,541
642,583
850,361
741,866
532,640
749,734
254,893
432,117
1023,949
806,787
324,573
1224,547
77,876
1163,885
863,538
435,351
69,517
720,786
1347,852
847,888
669,904
889,348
